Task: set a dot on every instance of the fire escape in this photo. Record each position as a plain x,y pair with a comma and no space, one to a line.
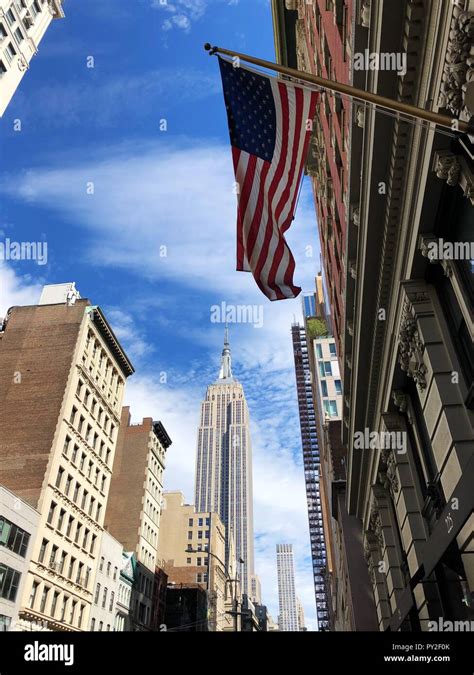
309,440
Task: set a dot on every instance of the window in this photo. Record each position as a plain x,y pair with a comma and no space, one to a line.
81,464
104,597
32,598
86,536
78,533
59,477
338,385
87,577
44,599
201,522
188,561
79,579
190,522
108,568
207,534
3,68
74,454
3,31
101,623
73,611
330,408
63,562
5,622
200,534
42,550
332,349
324,387
13,537
71,567
199,562
54,604
112,598
93,625
73,414
319,351
76,492
70,523
63,608
190,535
52,557
67,487
51,511
198,577
101,566
97,593
115,573
84,498
81,616
66,445
93,542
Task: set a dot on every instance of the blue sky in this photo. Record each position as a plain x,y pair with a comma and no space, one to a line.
124,170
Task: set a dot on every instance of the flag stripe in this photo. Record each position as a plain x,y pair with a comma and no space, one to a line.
267,125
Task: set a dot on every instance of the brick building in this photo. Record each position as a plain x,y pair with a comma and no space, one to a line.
62,377
134,506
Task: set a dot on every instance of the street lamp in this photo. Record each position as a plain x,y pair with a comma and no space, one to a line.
228,580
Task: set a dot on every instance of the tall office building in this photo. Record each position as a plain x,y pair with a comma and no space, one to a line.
23,24
62,377
288,617
134,506
311,461
224,464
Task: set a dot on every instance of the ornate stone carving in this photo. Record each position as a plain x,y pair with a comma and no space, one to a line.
447,167
365,14
459,63
388,474
353,268
400,399
356,215
369,561
360,116
375,525
411,351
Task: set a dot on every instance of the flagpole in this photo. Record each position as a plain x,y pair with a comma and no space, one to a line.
451,123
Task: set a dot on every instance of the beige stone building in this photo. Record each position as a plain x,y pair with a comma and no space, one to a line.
134,505
62,377
23,24
192,547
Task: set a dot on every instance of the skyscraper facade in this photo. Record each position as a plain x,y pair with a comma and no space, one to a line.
23,24
311,461
224,464
288,617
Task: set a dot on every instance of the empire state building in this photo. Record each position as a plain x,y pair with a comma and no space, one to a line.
224,463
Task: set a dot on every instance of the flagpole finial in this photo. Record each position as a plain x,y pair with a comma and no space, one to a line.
209,48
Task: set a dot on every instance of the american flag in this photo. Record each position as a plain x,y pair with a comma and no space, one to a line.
270,127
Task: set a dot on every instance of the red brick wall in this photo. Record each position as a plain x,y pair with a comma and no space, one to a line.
38,344
127,487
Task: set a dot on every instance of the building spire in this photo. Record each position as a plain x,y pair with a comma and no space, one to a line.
226,361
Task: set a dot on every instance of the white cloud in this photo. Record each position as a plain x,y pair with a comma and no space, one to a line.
16,289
